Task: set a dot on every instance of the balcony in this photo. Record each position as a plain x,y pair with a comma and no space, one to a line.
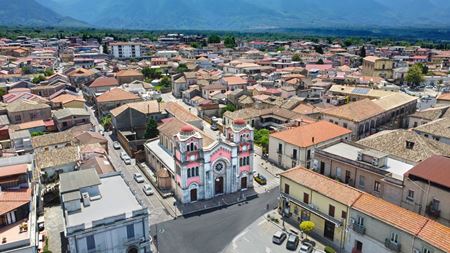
360,229
433,212
392,245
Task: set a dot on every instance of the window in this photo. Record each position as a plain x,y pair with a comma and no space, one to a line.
286,188
362,181
130,231
344,215
410,196
360,221
240,161
426,250
294,154
345,125
196,171
338,172
17,118
376,186
308,154
331,210
90,242
394,237
280,147
306,198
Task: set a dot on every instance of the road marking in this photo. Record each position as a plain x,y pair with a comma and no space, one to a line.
262,222
237,238
268,250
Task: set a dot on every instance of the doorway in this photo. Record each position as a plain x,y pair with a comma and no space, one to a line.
193,195
243,183
219,185
329,230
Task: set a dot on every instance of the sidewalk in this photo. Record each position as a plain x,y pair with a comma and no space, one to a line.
216,203
289,227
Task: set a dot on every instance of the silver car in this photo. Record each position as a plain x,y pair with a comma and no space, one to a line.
147,189
138,177
116,145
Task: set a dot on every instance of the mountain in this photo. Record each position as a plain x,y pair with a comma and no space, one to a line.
251,14
31,13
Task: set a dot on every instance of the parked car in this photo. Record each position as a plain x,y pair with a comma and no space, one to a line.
306,247
123,154
127,160
138,177
147,189
214,127
116,145
260,179
279,237
292,242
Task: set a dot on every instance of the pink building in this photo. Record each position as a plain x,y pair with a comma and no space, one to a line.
224,166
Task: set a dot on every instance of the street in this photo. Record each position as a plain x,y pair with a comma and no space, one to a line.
211,232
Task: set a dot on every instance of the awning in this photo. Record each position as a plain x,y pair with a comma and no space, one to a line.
312,209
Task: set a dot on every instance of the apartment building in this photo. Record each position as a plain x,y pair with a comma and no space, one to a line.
126,50
296,146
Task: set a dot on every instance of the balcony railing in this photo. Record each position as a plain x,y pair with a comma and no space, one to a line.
433,212
360,229
392,245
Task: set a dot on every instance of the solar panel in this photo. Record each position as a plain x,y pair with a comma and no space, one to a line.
361,91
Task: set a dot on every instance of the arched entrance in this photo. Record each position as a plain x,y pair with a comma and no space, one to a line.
132,249
193,194
244,182
218,186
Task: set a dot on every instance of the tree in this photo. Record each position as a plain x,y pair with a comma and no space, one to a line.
296,57
307,226
196,45
106,122
152,129
424,68
165,82
182,68
261,138
414,76
230,108
214,39
26,70
38,79
151,73
159,100
105,49
320,61
319,49
2,91
49,72
362,52
230,42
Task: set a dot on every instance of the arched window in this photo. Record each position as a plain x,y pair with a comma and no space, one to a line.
192,146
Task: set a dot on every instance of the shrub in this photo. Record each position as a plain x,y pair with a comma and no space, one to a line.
307,226
329,249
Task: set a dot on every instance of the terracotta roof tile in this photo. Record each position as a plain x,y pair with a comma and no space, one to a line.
104,82
323,185
437,235
311,134
116,95
391,214
356,111
13,170
435,169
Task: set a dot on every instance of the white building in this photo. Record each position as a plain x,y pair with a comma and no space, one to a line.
126,50
102,214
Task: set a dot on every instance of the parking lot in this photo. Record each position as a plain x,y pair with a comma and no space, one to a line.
258,238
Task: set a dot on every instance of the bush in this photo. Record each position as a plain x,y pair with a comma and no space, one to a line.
307,226
329,249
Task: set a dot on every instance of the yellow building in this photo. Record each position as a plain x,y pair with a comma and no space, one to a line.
378,67
68,101
306,195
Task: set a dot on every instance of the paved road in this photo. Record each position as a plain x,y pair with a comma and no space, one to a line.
211,232
154,203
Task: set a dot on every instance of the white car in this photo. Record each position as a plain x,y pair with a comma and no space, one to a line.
147,189
127,160
116,145
138,177
123,155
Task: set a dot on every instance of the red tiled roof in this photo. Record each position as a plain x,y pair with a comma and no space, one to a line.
104,82
13,170
116,95
435,169
311,134
437,235
10,200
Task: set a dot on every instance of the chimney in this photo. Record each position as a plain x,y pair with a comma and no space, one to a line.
312,139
